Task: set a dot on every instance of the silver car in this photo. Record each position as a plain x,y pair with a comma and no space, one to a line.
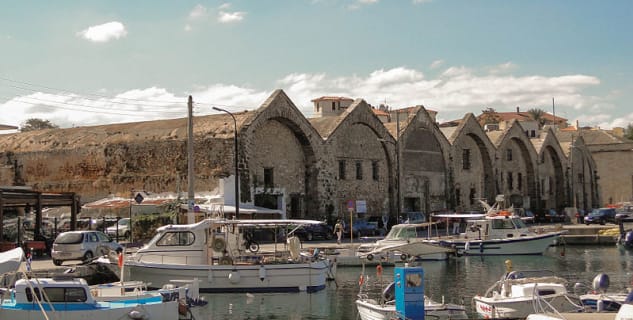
82,245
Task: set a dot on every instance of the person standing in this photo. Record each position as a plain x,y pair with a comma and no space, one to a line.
338,229
456,226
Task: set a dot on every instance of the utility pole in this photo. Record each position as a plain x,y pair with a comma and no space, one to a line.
398,165
190,172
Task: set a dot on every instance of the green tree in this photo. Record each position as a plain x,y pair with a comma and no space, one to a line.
537,115
628,132
36,124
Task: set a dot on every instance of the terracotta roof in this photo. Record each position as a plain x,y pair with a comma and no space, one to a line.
332,98
526,116
379,112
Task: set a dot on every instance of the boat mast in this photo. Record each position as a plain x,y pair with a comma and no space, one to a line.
190,175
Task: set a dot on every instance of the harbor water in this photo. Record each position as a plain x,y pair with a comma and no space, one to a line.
456,280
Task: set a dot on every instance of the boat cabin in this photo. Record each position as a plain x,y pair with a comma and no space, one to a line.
496,227
65,290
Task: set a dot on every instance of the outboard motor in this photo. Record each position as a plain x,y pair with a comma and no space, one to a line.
628,239
600,282
389,293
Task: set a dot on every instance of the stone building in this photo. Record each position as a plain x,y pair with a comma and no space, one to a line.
347,158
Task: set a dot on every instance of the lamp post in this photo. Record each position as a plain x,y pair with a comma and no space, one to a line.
237,177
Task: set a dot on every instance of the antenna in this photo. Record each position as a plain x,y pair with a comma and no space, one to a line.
554,111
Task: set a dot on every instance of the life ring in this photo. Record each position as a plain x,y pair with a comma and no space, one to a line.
379,270
370,257
361,280
218,244
403,257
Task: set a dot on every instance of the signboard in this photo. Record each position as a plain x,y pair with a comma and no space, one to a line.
139,198
350,204
361,206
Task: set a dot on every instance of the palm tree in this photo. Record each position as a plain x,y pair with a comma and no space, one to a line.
537,115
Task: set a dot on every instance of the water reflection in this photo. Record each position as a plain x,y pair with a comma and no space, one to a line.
455,280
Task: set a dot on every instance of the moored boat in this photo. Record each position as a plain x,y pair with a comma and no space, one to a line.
217,253
521,293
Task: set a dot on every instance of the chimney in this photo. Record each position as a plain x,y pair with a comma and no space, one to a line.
517,109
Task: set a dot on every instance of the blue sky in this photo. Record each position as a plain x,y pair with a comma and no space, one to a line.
96,62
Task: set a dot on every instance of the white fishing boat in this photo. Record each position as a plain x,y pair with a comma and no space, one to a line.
71,298
499,233
521,293
220,254
403,298
402,234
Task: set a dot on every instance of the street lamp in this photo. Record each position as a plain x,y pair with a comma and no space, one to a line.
237,177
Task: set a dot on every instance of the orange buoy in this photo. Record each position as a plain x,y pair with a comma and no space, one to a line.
120,259
361,280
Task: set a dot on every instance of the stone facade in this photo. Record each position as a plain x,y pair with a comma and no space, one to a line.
313,168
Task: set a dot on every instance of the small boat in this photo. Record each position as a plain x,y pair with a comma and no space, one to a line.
223,256
626,236
521,293
599,299
403,298
66,297
402,234
624,312
496,234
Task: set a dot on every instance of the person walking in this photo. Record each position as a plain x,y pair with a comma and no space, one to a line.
338,229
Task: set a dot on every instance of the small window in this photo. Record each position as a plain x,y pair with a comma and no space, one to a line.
510,182
508,154
472,196
520,181
359,170
268,178
533,133
184,238
341,169
466,159
333,106
458,196
374,170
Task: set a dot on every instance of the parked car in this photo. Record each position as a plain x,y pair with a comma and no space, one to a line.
624,214
525,214
601,216
120,229
552,215
82,245
379,224
314,231
360,228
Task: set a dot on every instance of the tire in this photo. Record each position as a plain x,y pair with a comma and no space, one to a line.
309,236
57,262
253,247
88,256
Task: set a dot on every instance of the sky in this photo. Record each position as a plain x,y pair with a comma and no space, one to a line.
82,63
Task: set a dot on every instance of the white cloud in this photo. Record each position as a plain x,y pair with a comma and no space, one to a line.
198,12
436,64
453,93
188,27
104,32
224,6
503,68
421,1
231,17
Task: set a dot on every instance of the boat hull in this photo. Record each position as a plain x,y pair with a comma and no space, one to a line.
495,308
370,310
101,310
530,245
285,277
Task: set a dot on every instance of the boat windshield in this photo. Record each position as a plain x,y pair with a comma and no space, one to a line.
405,232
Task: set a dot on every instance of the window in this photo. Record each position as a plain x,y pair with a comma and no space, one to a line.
520,181
59,294
466,159
472,196
508,154
359,170
458,196
341,169
533,133
333,105
268,178
374,170
183,238
509,180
